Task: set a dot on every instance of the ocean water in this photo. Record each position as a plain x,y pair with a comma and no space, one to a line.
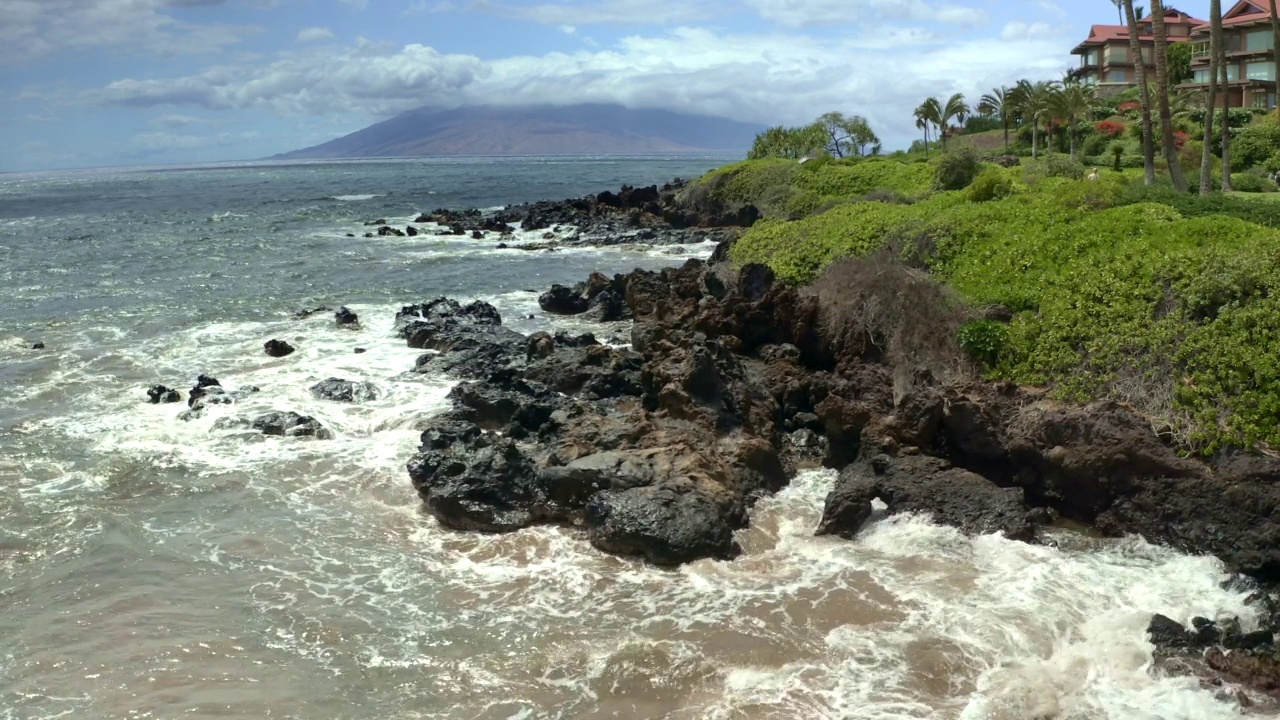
155,568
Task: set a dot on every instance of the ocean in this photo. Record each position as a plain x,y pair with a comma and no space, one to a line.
152,567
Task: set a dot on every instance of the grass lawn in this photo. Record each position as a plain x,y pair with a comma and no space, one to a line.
1263,197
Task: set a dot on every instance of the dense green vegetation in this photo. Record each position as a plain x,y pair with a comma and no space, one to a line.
1168,301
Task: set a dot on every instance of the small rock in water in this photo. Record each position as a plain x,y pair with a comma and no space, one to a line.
291,424
277,348
351,234
346,318
157,394
37,346
502,246
477,235
410,230
299,314
343,390
361,351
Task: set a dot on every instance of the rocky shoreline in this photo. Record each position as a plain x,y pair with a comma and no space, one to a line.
731,381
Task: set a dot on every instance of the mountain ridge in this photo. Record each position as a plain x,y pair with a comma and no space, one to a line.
492,130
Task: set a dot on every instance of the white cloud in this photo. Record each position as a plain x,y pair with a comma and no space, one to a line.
1052,8
423,7
1019,30
154,142
568,29
173,121
314,34
610,12
32,29
803,13
770,78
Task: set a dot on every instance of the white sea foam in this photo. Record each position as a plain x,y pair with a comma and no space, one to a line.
354,198
347,577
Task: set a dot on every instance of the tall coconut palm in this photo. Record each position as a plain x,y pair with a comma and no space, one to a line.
1034,101
1144,96
1072,102
928,113
1215,30
1275,45
1162,96
1211,98
954,109
998,102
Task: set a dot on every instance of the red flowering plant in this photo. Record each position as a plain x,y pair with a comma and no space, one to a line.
1110,128
1130,106
1179,139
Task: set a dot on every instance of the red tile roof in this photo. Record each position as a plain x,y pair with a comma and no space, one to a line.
1245,11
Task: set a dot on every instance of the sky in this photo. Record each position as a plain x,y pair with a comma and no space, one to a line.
92,83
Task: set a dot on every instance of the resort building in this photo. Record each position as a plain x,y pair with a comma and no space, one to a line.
1105,56
1251,57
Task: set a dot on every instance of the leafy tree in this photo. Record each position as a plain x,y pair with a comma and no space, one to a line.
999,102
788,143
846,135
1180,63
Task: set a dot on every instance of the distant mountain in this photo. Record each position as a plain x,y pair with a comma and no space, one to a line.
538,130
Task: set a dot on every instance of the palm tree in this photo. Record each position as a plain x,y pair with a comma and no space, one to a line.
1144,97
955,108
1033,101
1221,56
999,102
1162,97
1275,43
1211,97
1119,4
1072,102
929,112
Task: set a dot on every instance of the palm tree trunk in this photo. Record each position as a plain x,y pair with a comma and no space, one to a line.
1226,125
1162,98
1211,101
1144,97
1071,130
1004,123
1275,51
1221,56
1035,129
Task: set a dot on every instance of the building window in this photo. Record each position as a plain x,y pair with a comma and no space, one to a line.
1233,73
1265,70
1090,58
1259,40
1201,76
1117,76
1117,54
1235,42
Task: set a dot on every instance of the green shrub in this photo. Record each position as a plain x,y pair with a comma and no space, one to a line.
1255,144
1252,183
956,170
1168,301
1272,163
1057,166
984,340
990,185
1095,144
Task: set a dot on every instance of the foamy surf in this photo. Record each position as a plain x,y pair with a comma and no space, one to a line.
152,567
